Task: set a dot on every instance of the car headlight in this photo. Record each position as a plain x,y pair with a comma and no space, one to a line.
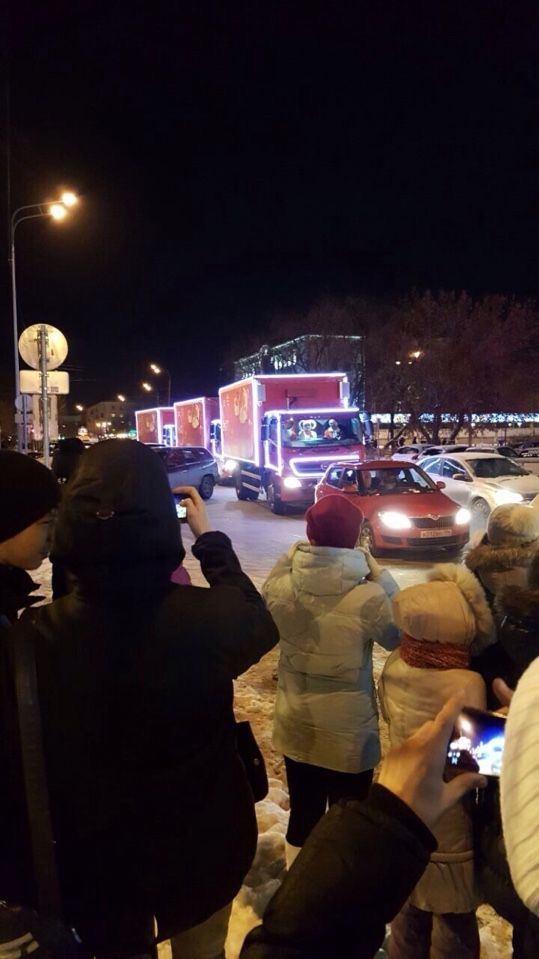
292,482
503,496
463,516
394,520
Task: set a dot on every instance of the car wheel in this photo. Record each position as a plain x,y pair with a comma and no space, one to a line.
244,495
366,540
206,486
480,510
275,502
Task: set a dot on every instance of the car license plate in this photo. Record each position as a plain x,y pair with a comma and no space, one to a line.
432,533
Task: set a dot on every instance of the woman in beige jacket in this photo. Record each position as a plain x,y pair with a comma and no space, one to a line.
440,621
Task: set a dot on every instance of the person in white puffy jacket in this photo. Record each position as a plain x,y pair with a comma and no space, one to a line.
330,602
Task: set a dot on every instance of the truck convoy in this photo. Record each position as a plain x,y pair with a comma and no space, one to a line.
283,430
274,433
156,426
195,421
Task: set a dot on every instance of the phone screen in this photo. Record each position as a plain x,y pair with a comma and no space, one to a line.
477,742
181,511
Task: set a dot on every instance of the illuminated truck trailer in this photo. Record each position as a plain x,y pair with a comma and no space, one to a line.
156,425
195,421
279,432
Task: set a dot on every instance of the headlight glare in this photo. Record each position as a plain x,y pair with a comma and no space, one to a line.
394,520
463,516
292,482
503,496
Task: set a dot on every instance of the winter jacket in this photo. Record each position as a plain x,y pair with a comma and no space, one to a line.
497,567
352,876
329,615
151,809
15,588
518,639
409,696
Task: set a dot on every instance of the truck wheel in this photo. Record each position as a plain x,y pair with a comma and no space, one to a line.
243,494
206,486
276,504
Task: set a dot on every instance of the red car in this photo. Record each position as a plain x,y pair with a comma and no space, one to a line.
402,506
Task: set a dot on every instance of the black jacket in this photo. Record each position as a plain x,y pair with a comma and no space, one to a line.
353,875
517,646
151,808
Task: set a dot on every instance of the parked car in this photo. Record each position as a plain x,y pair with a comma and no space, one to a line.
189,466
482,480
501,449
530,452
410,452
402,506
426,449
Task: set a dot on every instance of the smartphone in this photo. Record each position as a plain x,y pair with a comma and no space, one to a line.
477,742
181,511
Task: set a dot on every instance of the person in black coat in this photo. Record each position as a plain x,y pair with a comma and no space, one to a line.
151,809
362,860
28,497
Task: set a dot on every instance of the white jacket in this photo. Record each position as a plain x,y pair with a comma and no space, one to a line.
329,615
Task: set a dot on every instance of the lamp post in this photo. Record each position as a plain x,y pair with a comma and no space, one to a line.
31,211
150,388
158,370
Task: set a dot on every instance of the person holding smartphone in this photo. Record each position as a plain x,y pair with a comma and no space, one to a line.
152,812
440,621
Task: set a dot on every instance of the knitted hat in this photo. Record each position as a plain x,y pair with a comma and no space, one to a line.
513,525
334,521
28,490
451,608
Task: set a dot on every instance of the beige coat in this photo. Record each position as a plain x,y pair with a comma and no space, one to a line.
408,697
329,613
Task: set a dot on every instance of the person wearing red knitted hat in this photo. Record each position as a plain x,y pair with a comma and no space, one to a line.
330,602
442,621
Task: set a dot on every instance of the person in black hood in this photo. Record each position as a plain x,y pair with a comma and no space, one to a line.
65,460
151,808
28,497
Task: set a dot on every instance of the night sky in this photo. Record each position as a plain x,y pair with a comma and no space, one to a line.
237,159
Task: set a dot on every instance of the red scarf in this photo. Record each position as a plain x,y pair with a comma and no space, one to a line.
427,655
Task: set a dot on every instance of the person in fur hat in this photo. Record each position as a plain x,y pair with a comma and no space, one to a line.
440,621
330,603
503,554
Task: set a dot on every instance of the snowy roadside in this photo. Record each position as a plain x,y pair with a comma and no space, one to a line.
254,697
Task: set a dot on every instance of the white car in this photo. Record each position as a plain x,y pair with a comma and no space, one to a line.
482,481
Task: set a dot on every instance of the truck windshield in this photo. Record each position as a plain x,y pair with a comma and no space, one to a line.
317,429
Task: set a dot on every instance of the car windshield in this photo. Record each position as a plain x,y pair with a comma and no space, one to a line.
388,482
493,467
305,430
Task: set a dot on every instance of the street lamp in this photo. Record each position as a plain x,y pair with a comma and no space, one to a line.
31,211
79,408
120,397
158,370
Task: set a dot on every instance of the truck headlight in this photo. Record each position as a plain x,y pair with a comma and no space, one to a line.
292,482
230,467
394,520
463,516
503,496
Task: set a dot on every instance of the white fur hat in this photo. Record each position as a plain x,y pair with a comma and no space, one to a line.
513,525
451,608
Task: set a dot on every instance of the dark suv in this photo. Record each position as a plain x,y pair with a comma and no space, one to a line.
189,466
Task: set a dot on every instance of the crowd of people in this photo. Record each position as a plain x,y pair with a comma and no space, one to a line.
152,812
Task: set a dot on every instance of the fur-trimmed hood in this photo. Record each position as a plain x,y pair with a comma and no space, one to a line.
520,603
498,559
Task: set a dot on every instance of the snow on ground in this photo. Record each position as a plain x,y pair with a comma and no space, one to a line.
254,698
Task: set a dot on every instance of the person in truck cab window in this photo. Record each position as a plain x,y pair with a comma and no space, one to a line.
332,431
307,430
289,429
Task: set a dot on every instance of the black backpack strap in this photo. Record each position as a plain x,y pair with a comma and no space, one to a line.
35,777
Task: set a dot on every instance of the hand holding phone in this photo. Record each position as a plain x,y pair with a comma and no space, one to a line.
197,517
181,508
477,742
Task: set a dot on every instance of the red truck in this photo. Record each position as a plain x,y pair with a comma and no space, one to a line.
281,431
156,425
195,421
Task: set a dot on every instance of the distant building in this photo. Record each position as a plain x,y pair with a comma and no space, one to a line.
310,353
110,418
